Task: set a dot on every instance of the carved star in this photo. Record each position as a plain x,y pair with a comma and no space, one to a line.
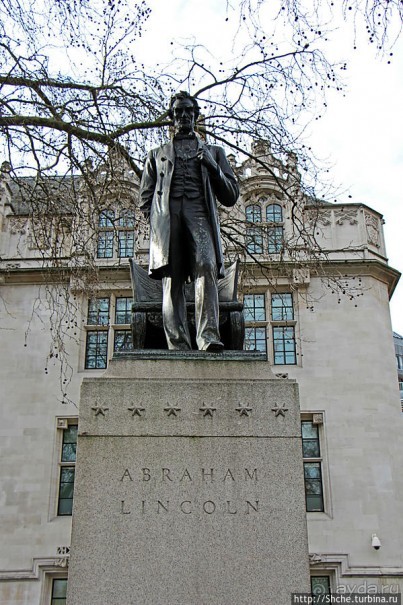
136,410
172,410
99,410
243,409
279,410
208,410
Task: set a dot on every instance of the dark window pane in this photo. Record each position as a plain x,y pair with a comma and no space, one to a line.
254,307
123,340
255,339
309,430
284,345
274,213
253,214
254,240
59,591
69,445
96,356
313,486
67,474
125,244
275,239
310,440
313,489
312,472
310,448
106,218
320,585
123,312
314,504
105,244
66,491
66,488
69,452
65,507
70,434
98,311
282,308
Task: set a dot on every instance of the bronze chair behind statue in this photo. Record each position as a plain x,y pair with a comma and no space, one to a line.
147,328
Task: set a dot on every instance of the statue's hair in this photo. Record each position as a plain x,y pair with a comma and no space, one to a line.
180,96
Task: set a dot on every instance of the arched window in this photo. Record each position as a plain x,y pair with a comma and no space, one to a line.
253,213
274,213
106,218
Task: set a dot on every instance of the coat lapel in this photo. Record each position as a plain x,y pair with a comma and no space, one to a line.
167,151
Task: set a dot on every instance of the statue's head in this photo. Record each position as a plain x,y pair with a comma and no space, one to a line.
183,111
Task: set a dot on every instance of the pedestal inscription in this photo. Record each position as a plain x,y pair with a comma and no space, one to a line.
188,491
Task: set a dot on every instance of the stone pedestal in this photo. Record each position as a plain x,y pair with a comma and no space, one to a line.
189,486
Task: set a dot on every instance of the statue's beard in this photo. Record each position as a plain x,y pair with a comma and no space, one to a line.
185,126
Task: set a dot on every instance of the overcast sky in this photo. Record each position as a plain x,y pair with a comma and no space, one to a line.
360,134
363,136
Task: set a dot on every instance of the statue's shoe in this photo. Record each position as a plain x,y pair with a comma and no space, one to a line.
215,347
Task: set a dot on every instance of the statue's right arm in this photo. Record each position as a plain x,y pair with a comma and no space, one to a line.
148,184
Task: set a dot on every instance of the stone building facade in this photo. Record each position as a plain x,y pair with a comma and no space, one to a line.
316,286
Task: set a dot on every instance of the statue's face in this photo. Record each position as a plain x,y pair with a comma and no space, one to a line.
184,116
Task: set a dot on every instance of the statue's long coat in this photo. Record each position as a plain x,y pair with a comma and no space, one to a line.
154,201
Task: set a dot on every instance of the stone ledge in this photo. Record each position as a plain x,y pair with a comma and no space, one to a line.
197,365
166,354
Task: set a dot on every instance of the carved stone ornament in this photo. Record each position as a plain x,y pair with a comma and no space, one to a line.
342,216
172,410
18,225
279,410
207,410
10,266
143,231
243,409
301,276
39,239
62,562
136,410
317,418
315,558
319,218
99,410
63,550
64,558
260,148
372,227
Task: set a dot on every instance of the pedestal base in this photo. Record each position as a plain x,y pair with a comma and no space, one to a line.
189,487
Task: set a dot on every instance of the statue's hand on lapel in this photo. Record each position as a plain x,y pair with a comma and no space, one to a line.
207,160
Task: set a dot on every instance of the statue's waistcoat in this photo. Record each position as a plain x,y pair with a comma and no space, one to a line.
187,175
